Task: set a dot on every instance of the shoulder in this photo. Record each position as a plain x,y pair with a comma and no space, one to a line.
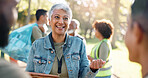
76,42
35,28
75,38
79,36
40,40
82,38
104,44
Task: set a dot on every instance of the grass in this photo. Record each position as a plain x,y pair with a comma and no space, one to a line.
122,67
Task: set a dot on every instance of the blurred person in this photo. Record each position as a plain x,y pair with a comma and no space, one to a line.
74,25
61,54
39,30
136,38
103,31
8,16
22,38
9,70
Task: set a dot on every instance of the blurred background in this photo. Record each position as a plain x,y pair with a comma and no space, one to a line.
87,11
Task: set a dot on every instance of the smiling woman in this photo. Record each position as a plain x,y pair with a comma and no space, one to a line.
61,54
59,22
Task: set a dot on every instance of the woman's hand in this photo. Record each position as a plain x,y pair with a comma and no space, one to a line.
89,58
96,64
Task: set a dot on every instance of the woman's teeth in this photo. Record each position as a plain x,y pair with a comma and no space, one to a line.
60,27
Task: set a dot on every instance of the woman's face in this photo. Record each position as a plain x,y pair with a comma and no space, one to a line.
98,34
59,22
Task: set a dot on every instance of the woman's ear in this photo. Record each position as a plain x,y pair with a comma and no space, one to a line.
49,22
137,32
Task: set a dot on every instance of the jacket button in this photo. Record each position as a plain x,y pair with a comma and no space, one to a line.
51,51
39,61
49,62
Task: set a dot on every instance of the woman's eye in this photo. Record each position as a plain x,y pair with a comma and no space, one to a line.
65,19
57,17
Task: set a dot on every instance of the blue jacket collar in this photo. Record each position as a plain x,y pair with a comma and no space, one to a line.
48,42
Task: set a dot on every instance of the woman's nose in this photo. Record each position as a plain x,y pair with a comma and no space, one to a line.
61,21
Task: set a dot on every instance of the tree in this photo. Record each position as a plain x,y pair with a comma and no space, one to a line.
28,16
27,10
86,11
115,21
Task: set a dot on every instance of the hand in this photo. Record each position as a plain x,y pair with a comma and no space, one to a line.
90,58
96,64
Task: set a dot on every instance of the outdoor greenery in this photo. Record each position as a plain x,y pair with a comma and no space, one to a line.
86,11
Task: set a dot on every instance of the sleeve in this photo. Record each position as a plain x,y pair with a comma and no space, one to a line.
84,41
36,33
30,64
85,71
103,51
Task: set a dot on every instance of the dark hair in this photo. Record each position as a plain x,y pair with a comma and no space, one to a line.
139,13
40,12
105,27
4,30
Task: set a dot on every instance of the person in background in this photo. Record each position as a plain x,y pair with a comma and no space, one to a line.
61,54
22,38
136,38
42,19
74,25
103,31
10,70
8,16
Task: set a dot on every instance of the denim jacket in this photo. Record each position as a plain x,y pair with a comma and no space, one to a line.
41,57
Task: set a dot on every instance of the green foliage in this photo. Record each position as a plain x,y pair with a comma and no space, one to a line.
35,4
86,11
22,16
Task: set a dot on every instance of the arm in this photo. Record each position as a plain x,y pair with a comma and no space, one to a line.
30,64
85,68
103,51
36,33
84,41
84,63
